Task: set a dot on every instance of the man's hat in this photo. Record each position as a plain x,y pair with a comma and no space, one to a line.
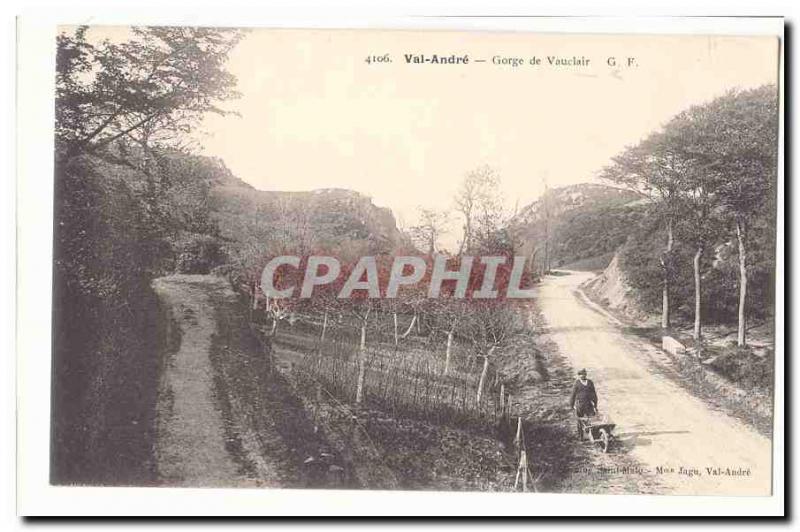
582,372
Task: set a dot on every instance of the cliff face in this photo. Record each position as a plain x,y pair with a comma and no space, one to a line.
331,218
581,226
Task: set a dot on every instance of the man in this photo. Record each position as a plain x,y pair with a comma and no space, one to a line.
583,399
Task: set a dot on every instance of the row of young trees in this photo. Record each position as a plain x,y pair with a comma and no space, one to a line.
483,325
454,315
709,173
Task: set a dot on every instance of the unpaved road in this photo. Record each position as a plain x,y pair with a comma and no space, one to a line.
659,424
191,439
223,419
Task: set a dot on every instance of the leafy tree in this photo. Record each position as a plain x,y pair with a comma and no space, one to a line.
710,172
654,169
148,90
123,184
735,143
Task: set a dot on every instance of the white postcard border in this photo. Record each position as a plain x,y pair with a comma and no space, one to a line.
35,119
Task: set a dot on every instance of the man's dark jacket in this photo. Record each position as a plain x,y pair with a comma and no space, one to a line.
584,397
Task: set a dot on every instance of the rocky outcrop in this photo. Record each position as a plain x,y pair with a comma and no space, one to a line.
329,218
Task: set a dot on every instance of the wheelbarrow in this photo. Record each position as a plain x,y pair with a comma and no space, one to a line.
597,431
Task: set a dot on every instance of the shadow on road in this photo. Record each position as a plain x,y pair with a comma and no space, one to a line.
576,328
627,441
655,433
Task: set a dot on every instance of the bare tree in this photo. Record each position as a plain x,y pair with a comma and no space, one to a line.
488,325
432,225
449,314
362,312
479,202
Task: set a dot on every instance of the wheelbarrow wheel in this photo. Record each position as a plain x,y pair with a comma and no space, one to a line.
604,440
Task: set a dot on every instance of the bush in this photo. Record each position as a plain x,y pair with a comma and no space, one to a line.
199,254
105,328
741,366
640,261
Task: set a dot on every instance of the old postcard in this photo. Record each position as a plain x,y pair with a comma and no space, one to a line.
459,261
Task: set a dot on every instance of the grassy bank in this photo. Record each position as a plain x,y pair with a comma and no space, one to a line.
733,380
106,365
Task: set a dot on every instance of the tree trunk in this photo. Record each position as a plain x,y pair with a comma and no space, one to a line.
448,351
741,340
269,359
532,262
666,263
324,326
482,381
254,304
466,244
362,369
410,326
697,293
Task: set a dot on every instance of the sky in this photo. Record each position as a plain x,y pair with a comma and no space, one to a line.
314,114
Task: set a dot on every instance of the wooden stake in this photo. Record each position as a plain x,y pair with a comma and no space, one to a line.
523,464
447,352
482,380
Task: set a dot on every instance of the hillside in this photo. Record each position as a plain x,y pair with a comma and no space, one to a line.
119,224
240,222
583,224
300,221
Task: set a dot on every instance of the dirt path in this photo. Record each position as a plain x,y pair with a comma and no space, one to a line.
699,451
192,448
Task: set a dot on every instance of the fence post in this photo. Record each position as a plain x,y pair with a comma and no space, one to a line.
523,464
316,407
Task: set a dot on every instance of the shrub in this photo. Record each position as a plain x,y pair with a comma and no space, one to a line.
199,254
